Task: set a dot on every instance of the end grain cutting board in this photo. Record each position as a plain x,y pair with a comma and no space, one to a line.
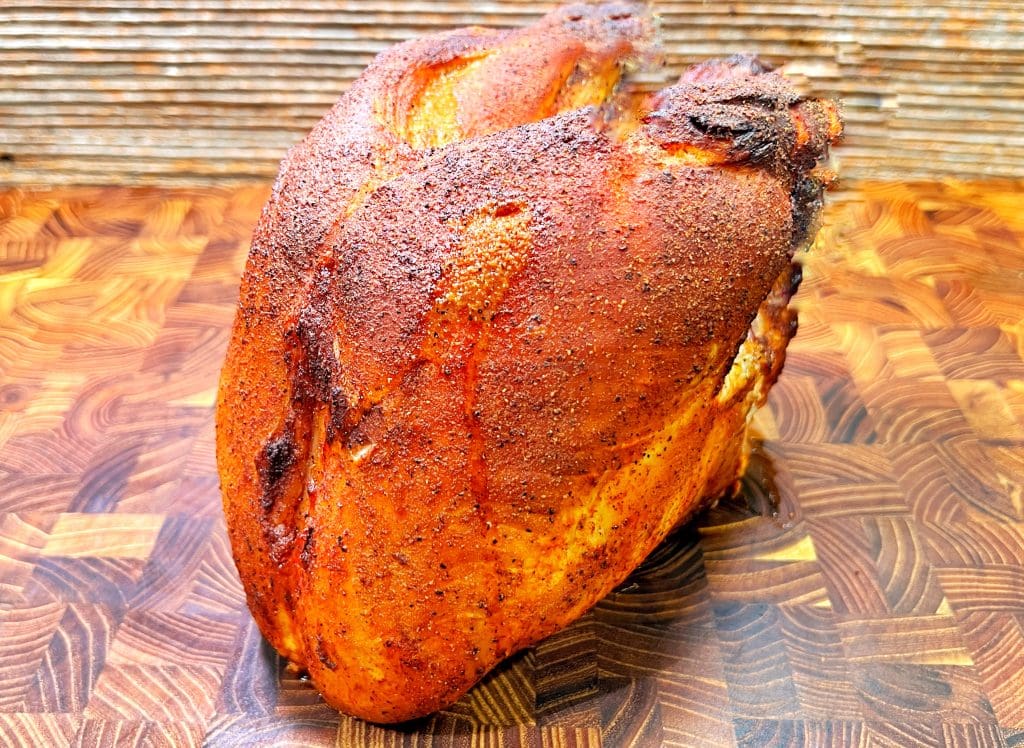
867,587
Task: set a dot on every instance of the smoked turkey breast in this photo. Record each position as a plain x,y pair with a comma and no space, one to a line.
502,328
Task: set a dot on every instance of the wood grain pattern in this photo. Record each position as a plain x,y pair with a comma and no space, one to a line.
156,91
865,588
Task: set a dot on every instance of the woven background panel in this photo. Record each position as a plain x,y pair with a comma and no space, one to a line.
168,92
866,588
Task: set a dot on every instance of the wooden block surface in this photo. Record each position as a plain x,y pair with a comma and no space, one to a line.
866,588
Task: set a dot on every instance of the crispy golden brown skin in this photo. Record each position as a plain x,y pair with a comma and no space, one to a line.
493,344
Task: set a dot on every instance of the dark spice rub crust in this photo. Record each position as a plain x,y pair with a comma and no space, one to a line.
494,343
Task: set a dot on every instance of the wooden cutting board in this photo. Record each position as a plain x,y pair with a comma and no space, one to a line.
866,588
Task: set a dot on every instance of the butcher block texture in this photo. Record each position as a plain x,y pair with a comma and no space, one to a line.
176,92
865,588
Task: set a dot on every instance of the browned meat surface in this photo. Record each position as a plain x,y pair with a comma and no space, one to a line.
500,331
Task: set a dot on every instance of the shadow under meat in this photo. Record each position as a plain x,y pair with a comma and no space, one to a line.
608,671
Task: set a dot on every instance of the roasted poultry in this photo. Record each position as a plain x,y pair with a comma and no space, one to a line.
502,328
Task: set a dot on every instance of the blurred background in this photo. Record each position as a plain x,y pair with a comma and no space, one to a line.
206,91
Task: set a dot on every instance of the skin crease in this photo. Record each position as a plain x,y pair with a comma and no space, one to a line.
479,369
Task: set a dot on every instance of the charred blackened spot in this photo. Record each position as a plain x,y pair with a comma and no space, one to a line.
273,463
753,130
318,367
321,654
807,201
795,277
720,126
317,372
741,131
760,144
306,554
339,409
